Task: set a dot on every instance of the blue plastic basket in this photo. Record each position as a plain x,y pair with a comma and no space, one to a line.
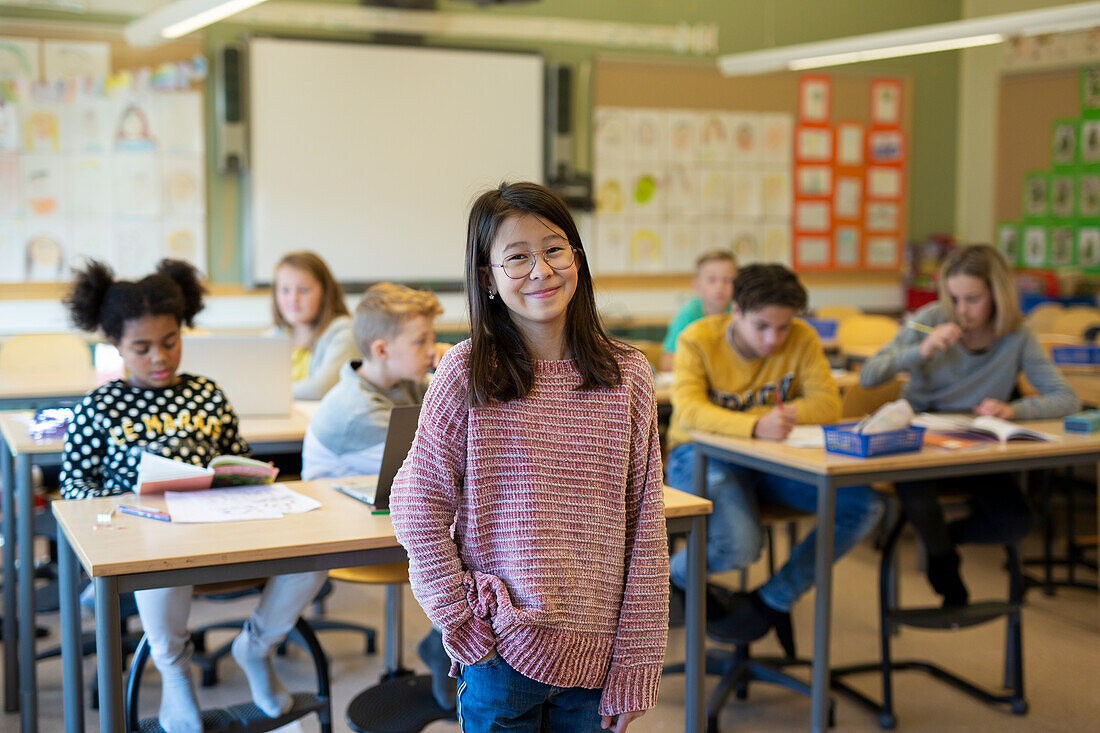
839,438
1080,355
825,327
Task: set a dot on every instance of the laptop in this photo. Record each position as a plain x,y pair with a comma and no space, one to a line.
252,371
375,490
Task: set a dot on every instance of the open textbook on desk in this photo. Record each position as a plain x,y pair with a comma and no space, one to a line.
157,474
965,429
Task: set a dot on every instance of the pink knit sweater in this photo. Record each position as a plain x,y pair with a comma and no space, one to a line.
558,556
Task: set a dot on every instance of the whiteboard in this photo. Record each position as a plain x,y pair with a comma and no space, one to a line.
371,155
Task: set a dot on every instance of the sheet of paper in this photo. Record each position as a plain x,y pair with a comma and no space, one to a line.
237,504
806,436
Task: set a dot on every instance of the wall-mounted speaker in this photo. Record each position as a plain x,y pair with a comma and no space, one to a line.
231,108
574,188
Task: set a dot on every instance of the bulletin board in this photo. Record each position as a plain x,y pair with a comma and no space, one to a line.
680,91
1047,188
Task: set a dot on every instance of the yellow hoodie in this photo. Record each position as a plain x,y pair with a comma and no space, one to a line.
717,391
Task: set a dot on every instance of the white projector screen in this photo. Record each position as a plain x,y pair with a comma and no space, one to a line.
372,155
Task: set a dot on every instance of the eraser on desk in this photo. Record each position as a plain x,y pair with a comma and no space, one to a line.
1082,422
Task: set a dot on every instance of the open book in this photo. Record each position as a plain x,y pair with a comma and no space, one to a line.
157,474
982,427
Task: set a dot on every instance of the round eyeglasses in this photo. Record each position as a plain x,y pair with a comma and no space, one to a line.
519,265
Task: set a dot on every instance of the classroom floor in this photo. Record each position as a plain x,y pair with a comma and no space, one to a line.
1061,637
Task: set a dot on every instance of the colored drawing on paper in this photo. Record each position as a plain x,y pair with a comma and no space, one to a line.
1061,246
648,135
846,246
813,95
812,216
1035,246
1090,141
134,131
1008,242
1064,145
683,191
886,102
610,250
775,188
10,187
715,193
609,193
713,138
775,138
812,251
9,126
849,144
609,131
883,182
646,250
1088,195
90,185
849,198
42,185
1088,247
683,136
137,185
42,130
777,244
1035,195
44,254
882,252
885,146
747,196
1061,196
745,138
883,217
815,181
815,145
747,247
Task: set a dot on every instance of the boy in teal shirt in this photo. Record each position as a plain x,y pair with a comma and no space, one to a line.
713,281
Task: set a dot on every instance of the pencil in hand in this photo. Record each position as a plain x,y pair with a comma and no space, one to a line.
916,326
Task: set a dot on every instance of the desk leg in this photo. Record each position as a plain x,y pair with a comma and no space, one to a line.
24,518
823,576
11,646
694,606
72,657
108,645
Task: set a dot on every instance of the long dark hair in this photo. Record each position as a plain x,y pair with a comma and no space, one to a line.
97,300
501,368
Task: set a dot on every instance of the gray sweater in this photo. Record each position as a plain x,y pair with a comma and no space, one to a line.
957,380
332,348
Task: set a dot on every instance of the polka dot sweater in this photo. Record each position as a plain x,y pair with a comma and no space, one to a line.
558,559
114,424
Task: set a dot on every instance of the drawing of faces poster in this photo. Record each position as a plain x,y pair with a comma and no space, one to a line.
671,184
117,178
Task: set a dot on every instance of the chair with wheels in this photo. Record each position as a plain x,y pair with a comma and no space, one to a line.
245,717
891,615
402,702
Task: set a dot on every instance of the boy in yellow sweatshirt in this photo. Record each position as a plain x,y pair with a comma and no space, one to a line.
756,372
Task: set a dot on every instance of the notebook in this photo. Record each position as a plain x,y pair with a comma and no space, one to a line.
375,490
252,371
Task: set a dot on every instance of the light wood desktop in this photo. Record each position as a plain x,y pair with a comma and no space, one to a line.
20,391
19,453
341,533
828,471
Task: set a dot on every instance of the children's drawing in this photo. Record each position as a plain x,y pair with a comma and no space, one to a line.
886,102
813,99
73,59
1064,144
775,138
849,144
646,250
609,132
1090,141
610,250
41,130
846,246
133,133
775,191
1061,196
812,216
183,187
44,255
883,217
91,239
776,244
683,191
747,247
19,58
815,181
1088,195
87,126
883,182
610,196
849,197
715,193
682,246
1088,247
1035,246
9,126
882,252
42,185
1008,242
173,119
747,196
648,135
745,138
647,191
135,248
10,198
137,185
885,146
714,138
1035,195
185,241
812,251
1061,246
683,137
815,144
90,185
1090,87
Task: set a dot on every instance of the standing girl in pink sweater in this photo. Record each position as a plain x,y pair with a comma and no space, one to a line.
531,501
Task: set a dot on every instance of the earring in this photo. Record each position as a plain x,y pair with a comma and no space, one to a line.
492,295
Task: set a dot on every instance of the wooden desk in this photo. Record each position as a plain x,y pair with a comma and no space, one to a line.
1085,383
19,453
341,533
45,391
829,471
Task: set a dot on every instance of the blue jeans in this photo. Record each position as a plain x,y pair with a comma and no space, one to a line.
494,697
735,537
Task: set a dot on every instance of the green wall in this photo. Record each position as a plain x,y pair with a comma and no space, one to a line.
742,25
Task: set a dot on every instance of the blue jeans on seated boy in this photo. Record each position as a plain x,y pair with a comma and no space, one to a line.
494,697
735,539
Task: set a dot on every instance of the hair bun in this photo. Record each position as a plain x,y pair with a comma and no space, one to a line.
89,292
189,280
